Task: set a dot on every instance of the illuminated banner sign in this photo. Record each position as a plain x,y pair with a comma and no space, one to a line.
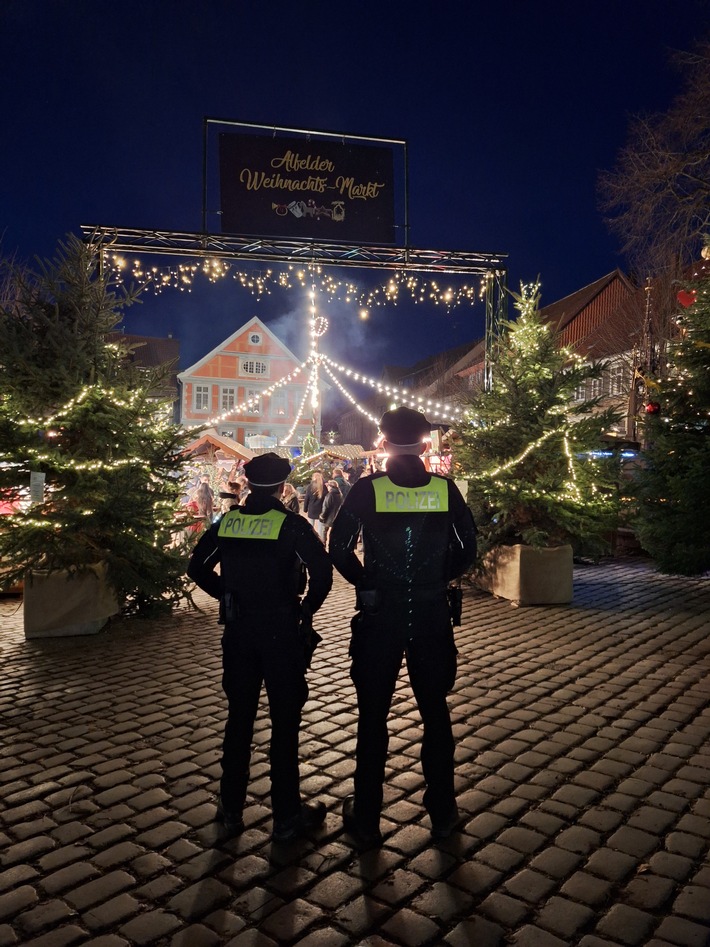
296,187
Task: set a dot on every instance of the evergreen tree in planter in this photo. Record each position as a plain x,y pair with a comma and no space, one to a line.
671,514
74,409
525,448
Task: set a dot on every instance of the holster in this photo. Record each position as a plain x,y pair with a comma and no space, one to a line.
310,639
454,594
368,601
228,608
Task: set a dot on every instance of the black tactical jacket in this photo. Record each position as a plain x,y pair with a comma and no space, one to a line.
261,548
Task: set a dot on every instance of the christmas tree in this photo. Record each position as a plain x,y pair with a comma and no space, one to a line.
530,452
81,420
671,516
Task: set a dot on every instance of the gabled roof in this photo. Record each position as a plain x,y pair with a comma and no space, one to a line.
438,363
149,351
152,352
210,438
561,313
252,323
473,360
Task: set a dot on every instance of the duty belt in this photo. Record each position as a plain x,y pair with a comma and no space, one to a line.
412,595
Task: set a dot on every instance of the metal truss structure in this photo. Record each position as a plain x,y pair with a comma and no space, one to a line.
490,267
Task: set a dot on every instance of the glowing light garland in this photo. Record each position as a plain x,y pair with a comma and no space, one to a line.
318,326
261,282
77,400
516,460
52,460
299,413
246,405
350,397
400,394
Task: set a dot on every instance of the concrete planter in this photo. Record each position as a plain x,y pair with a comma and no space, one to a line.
529,576
59,604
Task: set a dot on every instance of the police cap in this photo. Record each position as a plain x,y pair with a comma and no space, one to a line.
404,427
267,470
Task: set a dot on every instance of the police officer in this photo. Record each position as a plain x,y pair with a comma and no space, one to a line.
262,550
418,535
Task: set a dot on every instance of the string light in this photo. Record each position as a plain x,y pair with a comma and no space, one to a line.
260,283
68,407
516,460
400,394
350,397
245,406
299,413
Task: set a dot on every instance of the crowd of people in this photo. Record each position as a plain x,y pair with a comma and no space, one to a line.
319,501
401,537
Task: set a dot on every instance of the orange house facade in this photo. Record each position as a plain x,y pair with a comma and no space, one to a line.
234,389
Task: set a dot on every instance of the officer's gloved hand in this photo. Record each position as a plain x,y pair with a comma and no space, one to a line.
310,639
305,617
366,600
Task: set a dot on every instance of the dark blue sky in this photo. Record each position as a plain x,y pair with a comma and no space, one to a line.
510,110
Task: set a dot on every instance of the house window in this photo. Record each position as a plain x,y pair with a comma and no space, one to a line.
226,432
617,379
253,398
597,388
229,398
255,338
278,404
580,392
202,398
253,366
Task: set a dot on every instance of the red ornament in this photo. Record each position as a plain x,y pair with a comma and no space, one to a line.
653,407
686,298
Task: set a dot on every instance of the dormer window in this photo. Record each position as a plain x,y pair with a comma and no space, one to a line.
253,366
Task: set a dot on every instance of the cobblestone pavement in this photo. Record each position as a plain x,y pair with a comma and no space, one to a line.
583,778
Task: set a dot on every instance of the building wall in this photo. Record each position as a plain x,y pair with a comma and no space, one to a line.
248,364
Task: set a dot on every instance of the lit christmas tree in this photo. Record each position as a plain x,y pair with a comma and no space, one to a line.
530,452
671,515
77,414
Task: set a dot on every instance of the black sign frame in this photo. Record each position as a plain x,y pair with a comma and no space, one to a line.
307,185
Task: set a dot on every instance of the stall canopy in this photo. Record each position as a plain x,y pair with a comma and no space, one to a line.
211,441
339,452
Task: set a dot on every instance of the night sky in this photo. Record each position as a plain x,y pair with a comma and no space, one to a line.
509,109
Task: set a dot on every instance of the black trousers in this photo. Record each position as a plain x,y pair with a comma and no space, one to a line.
379,644
254,652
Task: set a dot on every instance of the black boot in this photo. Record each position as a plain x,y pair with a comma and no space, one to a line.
362,836
309,818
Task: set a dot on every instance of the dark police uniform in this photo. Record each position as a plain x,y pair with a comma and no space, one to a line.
417,534
261,548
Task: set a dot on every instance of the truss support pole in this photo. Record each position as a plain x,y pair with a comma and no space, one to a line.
496,313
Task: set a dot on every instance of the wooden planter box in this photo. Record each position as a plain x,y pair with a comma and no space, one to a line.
529,576
58,604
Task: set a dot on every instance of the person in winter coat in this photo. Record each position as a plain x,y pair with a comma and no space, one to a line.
289,498
332,503
339,478
313,502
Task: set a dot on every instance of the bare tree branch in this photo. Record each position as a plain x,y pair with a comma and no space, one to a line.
657,197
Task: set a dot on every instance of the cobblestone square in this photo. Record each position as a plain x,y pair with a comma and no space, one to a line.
583,778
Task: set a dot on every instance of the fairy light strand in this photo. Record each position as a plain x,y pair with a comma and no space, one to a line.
244,406
299,413
260,283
